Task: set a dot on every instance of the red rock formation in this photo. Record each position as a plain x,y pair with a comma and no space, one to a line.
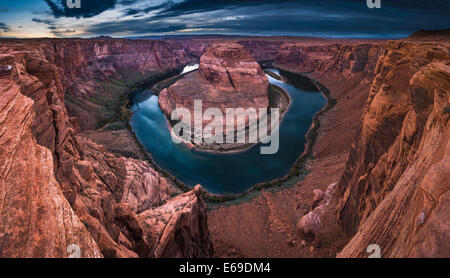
346,69
269,226
228,77
262,50
69,179
36,219
394,192
310,224
179,238
97,72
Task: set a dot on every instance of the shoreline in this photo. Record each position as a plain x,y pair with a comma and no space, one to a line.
298,169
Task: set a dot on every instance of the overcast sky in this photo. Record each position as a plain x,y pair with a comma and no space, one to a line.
122,18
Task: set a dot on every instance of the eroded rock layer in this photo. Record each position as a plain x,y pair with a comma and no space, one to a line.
59,188
395,189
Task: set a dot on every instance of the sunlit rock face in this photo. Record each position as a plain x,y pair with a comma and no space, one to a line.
395,190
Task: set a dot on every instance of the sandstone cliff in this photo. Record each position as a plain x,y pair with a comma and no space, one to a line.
395,190
95,73
36,219
54,178
392,98
269,226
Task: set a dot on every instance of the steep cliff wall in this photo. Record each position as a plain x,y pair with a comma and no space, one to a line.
269,226
346,69
72,180
393,97
95,73
36,219
395,190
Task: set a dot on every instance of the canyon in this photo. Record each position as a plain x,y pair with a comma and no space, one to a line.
72,172
109,205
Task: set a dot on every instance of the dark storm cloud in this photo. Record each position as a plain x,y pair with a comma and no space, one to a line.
88,9
136,26
331,17
194,6
318,16
163,6
127,2
44,21
344,23
4,27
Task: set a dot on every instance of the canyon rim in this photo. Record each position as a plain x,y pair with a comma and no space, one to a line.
339,142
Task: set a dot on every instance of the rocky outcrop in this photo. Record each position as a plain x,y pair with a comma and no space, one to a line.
311,223
230,65
36,220
182,227
394,192
61,189
228,77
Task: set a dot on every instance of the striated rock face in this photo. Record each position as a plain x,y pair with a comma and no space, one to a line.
269,226
35,218
346,69
395,189
59,188
394,98
262,50
230,64
345,59
399,157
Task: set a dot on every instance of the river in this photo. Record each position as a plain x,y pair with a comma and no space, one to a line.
225,173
